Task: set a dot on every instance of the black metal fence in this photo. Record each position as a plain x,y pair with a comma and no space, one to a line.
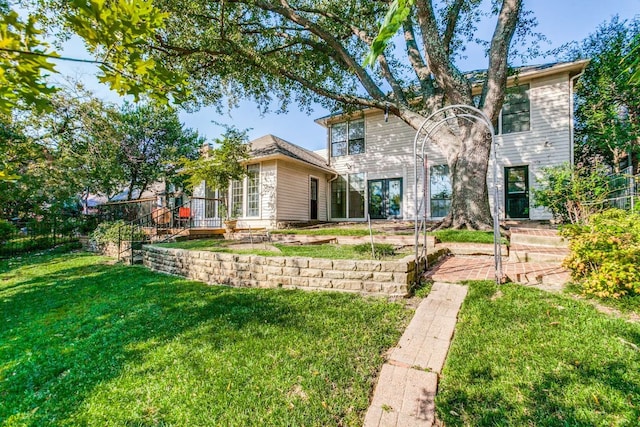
42,233
127,210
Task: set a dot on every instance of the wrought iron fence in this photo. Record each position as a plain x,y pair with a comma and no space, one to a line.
43,233
126,210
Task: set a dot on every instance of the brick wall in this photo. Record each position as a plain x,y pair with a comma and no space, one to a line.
371,277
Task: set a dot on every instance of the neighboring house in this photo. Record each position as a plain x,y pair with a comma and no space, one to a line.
285,184
373,154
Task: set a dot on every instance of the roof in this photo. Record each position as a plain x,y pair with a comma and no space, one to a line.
476,77
271,145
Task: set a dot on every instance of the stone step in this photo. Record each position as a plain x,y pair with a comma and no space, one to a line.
533,253
537,237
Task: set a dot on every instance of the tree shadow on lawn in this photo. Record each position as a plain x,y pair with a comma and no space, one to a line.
75,328
582,369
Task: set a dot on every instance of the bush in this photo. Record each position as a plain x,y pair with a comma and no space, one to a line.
7,230
605,254
381,249
109,232
572,194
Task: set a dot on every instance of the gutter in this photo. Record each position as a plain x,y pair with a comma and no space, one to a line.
572,118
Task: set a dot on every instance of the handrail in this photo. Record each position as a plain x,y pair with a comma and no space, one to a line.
163,218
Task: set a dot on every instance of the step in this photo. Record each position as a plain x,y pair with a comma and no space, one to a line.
537,237
536,253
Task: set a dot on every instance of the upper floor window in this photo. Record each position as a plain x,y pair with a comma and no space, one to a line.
516,110
347,138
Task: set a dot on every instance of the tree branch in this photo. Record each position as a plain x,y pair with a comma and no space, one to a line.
452,20
289,13
415,58
492,96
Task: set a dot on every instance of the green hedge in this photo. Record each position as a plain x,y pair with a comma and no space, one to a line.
605,254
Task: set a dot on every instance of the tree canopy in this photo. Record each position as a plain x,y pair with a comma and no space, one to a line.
304,51
608,103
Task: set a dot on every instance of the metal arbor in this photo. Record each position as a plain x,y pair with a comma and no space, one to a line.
423,135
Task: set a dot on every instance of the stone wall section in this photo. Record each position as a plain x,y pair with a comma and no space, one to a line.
392,278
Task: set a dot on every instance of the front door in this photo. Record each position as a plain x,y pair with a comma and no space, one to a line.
385,198
517,192
313,197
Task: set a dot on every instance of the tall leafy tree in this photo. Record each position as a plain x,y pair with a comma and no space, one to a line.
312,51
152,140
607,102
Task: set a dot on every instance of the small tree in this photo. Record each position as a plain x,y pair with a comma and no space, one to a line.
219,166
572,194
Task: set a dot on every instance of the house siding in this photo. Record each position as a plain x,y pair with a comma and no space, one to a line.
389,145
293,186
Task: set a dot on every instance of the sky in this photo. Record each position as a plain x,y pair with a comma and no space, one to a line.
566,21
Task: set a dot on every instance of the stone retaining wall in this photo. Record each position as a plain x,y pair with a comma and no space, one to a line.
361,276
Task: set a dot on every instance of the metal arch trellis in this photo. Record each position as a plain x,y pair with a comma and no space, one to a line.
427,128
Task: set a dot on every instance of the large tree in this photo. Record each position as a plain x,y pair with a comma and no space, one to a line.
307,50
152,140
607,102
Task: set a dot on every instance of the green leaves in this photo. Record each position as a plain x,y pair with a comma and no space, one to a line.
396,15
23,64
118,35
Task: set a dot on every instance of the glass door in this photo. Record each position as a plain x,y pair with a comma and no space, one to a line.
517,192
385,198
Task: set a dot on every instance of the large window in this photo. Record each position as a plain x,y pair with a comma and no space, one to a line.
440,190
347,138
236,198
516,110
356,195
253,190
339,198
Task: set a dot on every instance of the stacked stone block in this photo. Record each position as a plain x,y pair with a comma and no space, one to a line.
362,276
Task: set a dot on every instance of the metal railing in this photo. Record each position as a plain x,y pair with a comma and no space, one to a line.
623,192
128,210
43,233
164,224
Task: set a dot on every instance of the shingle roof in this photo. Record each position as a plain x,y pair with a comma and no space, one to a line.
270,145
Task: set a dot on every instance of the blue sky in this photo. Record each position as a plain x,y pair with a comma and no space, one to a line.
566,21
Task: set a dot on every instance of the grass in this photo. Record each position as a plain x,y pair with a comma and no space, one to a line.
523,357
87,343
329,231
329,251
459,236
626,304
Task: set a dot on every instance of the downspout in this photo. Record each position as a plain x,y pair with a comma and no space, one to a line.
571,118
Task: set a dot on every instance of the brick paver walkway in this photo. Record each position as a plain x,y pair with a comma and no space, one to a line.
406,389
459,268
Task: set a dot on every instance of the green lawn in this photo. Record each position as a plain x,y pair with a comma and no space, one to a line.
83,342
329,251
524,357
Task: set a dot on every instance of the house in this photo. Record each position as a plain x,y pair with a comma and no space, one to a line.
285,184
368,166
373,155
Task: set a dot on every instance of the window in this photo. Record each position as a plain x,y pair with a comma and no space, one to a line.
515,115
253,190
440,190
347,138
356,195
338,198
236,198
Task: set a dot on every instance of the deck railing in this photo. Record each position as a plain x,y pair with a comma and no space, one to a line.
163,224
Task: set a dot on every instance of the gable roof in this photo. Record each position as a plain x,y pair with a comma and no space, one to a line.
476,77
270,146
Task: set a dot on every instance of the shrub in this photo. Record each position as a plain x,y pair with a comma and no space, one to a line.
109,232
605,254
572,194
7,230
381,249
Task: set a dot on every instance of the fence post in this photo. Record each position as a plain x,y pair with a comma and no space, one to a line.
632,191
54,230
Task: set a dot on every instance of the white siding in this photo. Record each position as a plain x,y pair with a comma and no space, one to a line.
389,145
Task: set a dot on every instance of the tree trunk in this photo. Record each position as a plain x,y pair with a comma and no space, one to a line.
469,200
